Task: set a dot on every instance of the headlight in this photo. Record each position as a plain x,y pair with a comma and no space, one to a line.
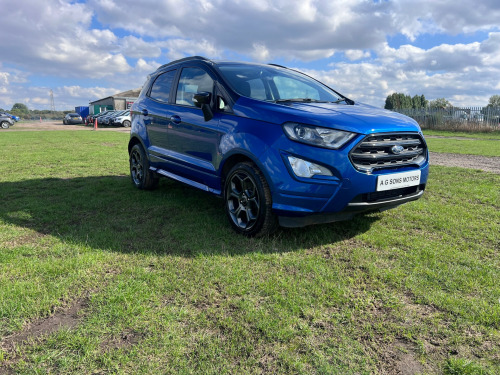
304,168
317,136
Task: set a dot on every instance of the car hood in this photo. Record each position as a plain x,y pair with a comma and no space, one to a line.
358,118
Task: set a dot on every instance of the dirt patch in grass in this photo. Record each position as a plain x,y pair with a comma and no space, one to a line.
401,358
123,341
61,319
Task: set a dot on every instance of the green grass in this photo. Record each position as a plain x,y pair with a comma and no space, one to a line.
165,286
476,135
486,144
463,146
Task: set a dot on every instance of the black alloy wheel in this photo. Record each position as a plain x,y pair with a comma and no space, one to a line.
248,201
142,176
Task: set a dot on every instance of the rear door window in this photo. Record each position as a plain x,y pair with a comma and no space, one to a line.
161,87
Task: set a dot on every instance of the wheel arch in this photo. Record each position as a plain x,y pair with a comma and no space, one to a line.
133,141
241,156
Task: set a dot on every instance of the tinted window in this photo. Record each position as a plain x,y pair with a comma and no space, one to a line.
192,80
161,87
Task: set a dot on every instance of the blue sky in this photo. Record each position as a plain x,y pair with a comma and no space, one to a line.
85,50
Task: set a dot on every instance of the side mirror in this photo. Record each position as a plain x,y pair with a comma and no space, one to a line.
202,100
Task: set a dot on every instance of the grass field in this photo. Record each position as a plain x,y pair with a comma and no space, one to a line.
97,277
487,144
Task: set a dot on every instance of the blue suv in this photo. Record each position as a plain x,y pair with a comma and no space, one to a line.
278,146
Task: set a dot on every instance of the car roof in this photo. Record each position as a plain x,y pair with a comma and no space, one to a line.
215,62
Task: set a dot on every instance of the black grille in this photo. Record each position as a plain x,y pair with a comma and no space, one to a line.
380,196
377,151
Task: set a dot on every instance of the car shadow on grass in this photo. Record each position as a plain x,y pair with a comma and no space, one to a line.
109,213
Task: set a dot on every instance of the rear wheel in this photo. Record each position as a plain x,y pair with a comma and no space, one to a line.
142,176
5,125
248,202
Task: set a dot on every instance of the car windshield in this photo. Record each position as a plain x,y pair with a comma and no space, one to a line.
276,84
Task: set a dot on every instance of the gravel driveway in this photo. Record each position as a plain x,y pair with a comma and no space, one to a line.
58,125
485,163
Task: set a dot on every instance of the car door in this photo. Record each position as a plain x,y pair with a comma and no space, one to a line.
156,115
192,141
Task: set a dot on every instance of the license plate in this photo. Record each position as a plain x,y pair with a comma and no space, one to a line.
398,180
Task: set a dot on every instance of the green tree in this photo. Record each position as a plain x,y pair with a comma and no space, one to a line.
402,101
440,103
20,108
424,102
494,101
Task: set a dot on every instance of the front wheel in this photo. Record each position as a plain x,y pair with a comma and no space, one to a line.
126,124
142,176
248,202
5,125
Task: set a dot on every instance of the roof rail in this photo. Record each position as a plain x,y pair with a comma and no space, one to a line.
278,65
184,59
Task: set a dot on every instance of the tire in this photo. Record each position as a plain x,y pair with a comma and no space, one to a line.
142,177
248,202
64,122
4,125
126,124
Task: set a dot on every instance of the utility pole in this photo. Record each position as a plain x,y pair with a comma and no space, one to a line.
52,106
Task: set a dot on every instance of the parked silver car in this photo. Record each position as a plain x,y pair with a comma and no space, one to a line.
5,121
72,118
123,119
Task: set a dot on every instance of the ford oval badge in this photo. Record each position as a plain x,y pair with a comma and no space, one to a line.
397,149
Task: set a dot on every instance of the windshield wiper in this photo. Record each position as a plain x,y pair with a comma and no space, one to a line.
299,100
346,100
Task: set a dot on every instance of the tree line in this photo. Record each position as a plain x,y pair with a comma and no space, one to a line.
401,101
21,110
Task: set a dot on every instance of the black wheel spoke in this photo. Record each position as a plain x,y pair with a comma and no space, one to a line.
242,200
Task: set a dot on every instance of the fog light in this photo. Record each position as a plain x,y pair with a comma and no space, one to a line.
303,168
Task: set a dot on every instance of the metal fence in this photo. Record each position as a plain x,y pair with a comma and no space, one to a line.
456,118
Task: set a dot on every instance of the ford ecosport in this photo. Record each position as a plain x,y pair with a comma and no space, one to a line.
277,145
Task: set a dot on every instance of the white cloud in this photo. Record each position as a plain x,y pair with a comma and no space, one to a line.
178,48
463,73
353,54
135,47
58,38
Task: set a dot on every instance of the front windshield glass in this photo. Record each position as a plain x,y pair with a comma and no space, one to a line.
275,84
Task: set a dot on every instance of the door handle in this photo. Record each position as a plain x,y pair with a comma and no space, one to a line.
175,119
145,112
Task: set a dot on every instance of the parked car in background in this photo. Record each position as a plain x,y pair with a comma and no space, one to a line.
476,116
103,120
123,119
72,118
91,118
110,119
277,145
13,117
460,115
5,121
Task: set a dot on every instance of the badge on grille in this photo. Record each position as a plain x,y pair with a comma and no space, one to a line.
397,149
